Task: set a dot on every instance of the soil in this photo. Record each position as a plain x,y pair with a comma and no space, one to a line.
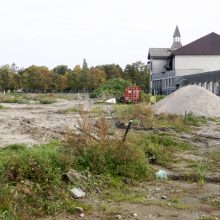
32,124
177,198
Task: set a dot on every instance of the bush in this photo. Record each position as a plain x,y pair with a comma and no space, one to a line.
112,87
109,157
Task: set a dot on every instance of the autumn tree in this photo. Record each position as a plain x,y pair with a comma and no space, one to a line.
97,76
7,79
36,78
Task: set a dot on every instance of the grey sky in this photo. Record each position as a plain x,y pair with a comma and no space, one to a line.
53,32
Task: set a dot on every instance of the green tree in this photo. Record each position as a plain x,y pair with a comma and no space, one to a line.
61,69
138,74
112,71
73,78
7,79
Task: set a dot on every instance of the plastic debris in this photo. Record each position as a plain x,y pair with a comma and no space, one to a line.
161,174
111,101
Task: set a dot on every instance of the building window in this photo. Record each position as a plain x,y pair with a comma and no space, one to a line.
166,82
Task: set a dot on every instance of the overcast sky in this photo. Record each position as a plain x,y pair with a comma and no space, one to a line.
53,32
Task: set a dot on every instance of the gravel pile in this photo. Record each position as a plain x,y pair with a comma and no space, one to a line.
191,99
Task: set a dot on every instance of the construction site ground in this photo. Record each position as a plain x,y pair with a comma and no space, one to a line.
180,197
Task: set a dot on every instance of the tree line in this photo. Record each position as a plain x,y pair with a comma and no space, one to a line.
63,79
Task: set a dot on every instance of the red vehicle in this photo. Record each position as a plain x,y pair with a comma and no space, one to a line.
131,94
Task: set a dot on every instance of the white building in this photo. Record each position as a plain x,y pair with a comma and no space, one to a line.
195,63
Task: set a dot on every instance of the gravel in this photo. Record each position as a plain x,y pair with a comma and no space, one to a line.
190,99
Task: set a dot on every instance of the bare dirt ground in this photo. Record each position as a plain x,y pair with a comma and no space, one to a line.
35,123
177,198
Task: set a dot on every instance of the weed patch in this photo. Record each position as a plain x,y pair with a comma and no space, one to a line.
30,181
159,148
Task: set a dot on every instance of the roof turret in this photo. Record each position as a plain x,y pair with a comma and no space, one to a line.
177,32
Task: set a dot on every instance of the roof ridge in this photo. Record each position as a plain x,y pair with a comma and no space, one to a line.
206,45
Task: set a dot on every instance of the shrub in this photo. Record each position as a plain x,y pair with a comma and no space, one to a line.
111,157
46,100
112,87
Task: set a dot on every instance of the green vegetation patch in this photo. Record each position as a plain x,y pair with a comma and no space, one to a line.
12,98
110,157
30,182
113,87
69,110
159,149
142,114
2,107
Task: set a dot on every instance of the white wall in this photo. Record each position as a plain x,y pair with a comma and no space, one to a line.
185,65
158,65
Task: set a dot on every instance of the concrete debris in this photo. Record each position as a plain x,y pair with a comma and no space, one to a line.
77,193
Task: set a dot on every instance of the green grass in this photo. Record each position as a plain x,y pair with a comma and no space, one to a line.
12,98
30,182
2,107
159,148
214,162
25,98
69,110
142,114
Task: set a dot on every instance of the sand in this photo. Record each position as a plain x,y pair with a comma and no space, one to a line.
190,99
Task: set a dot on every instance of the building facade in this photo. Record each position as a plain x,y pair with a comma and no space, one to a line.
195,63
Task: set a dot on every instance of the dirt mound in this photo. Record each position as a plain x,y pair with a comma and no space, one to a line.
191,99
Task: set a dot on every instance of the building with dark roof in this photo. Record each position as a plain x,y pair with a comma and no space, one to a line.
195,63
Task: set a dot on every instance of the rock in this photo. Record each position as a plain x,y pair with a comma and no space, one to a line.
118,217
27,191
163,197
157,189
79,209
73,176
98,190
134,214
77,193
81,215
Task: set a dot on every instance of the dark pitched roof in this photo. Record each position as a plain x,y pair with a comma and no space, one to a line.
176,32
159,53
207,45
